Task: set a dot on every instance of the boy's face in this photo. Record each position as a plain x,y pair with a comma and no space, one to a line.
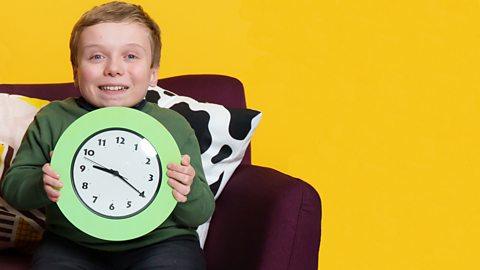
114,64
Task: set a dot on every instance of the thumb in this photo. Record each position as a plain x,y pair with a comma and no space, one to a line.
185,160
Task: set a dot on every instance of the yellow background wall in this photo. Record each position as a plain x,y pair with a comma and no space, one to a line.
375,103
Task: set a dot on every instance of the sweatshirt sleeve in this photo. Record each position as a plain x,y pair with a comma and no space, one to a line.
200,202
22,186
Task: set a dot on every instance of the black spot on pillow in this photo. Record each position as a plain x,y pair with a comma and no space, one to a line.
168,93
198,121
152,96
241,122
224,153
214,187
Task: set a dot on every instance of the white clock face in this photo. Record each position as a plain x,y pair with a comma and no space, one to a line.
116,173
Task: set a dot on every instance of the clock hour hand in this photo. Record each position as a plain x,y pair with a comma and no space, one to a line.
110,171
103,168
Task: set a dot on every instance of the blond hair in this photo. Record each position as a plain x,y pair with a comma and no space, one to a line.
116,12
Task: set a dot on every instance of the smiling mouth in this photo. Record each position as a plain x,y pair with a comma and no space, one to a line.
113,87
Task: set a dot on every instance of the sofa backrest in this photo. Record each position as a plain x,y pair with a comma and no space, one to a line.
219,89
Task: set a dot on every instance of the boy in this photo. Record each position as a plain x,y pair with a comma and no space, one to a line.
115,53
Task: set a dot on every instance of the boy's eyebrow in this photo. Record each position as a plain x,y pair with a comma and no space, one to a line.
100,46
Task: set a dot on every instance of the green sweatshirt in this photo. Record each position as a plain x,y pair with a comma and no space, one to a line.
23,184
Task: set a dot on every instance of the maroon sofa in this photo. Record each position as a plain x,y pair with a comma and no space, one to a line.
264,219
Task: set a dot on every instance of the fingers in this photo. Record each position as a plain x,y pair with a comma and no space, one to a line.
181,178
52,193
179,197
49,171
183,172
185,176
51,183
179,191
183,167
179,187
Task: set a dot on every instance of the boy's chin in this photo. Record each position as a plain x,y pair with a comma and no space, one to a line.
113,103
117,104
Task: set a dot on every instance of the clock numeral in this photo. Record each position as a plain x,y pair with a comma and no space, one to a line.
95,198
84,185
136,146
129,204
120,140
82,168
111,207
148,161
102,142
151,177
88,152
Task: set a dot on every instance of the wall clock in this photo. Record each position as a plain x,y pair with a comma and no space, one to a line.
112,162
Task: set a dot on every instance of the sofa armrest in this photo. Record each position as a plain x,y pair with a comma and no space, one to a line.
264,219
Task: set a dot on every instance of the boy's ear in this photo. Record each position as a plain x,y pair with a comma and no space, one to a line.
153,76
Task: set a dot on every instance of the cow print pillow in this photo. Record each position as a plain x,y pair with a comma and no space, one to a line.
223,134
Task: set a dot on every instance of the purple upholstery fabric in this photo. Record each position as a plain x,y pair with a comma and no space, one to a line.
11,260
264,220
218,89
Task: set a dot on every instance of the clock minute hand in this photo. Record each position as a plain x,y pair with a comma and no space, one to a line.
141,194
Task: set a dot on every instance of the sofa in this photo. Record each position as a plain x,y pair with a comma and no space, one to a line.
264,219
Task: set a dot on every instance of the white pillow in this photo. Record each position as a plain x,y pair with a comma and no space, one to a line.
21,229
223,134
16,113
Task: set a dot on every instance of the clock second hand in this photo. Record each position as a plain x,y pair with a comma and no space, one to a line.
115,173
97,163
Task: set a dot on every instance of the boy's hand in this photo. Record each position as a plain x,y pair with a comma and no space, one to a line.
51,182
181,178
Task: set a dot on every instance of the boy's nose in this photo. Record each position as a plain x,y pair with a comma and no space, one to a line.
113,68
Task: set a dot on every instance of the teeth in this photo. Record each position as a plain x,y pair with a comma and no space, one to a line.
113,88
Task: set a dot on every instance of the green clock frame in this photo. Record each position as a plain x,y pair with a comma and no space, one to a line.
71,205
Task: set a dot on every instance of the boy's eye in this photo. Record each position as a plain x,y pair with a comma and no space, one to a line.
96,57
131,56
